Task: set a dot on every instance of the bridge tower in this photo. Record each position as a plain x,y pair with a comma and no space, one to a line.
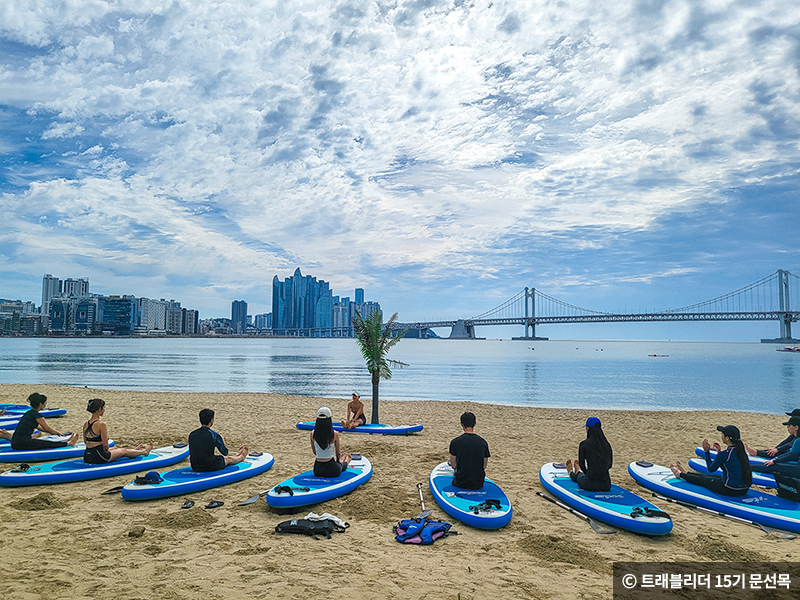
784,309
530,317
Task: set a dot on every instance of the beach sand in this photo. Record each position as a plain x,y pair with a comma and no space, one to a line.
68,541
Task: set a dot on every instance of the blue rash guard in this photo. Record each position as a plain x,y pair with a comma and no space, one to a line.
791,456
727,461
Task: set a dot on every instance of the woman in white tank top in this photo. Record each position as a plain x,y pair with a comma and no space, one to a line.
330,462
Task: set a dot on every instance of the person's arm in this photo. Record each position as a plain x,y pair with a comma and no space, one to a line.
103,434
42,425
350,410
219,443
336,443
791,456
582,457
313,450
453,460
715,464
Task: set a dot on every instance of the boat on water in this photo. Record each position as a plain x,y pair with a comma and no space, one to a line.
789,349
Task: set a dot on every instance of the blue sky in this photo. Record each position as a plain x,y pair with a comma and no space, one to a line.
441,154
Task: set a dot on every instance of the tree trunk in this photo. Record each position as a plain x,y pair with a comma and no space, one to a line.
376,380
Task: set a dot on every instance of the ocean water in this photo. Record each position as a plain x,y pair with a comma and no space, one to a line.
571,374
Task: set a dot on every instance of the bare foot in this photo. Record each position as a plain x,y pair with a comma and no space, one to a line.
244,451
577,466
680,466
147,448
675,471
569,466
73,439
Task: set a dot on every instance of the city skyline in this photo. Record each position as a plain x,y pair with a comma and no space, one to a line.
444,155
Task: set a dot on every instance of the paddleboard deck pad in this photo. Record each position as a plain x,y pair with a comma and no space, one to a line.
8,455
66,471
762,479
186,481
618,506
306,488
759,507
485,508
371,429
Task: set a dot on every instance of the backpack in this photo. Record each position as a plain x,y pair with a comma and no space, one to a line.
421,531
307,527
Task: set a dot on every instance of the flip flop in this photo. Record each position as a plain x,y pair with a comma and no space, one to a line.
188,504
214,504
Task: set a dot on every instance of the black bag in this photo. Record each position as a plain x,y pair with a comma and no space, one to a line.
304,526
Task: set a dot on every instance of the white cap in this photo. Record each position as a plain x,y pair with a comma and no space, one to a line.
324,413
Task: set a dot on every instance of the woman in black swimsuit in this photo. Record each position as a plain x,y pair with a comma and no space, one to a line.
95,435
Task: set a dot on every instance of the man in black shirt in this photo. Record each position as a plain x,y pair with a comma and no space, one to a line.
469,455
203,442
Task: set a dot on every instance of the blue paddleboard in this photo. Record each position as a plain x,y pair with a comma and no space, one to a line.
617,507
469,506
756,506
319,489
65,471
373,429
8,455
185,480
762,479
9,423
15,412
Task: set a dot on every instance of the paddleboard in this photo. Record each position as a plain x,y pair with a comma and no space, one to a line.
617,507
8,455
756,461
16,413
185,480
9,424
762,479
468,506
319,489
759,507
372,429
65,471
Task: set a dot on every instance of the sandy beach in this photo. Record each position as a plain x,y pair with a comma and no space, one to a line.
68,541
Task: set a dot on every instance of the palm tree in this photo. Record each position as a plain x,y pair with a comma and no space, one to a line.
374,339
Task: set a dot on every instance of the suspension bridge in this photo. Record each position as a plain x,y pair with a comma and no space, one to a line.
765,300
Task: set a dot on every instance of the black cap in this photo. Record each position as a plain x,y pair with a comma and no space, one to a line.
730,431
794,413
793,421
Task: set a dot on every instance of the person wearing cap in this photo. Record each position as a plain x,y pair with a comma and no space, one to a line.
733,461
787,462
469,455
330,461
356,407
781,448
204,441
595,458
95,435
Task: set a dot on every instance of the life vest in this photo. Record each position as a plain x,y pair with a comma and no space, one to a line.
421,531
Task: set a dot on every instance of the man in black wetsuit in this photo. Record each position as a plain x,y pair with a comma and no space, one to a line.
469,455
202,443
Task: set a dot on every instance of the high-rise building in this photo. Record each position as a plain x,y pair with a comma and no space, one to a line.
51,286
301,303
118,314
239,316
75,287
359,295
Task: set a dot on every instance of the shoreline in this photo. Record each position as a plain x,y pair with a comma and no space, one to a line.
68,541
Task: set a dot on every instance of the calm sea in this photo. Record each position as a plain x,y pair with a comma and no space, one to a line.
573,374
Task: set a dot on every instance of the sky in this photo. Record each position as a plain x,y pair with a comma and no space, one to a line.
440,154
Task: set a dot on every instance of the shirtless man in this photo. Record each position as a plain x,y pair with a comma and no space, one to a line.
356,407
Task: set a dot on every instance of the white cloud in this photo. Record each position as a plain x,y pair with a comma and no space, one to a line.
235,137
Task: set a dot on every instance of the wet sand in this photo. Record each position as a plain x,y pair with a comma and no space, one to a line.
68,541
